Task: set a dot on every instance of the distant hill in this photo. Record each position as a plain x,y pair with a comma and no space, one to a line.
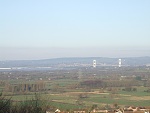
131,61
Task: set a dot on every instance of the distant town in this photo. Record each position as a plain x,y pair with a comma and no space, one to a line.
76,85
64,63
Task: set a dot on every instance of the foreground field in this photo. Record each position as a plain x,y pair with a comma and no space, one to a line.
71,99
81,88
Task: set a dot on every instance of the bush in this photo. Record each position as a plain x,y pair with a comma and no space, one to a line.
34,105
5,104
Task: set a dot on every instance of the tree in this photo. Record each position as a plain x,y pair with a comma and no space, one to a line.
139,78
94,106
116,105
134,89
5,104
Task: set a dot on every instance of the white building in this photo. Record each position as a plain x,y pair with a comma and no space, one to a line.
94,63
119,62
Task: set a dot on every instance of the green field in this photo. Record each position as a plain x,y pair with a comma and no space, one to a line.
68,100
72,90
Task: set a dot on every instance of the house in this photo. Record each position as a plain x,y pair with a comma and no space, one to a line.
131,109
53,110
57,111
119,111
136,109
99,111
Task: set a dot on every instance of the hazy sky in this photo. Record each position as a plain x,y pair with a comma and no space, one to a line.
38,29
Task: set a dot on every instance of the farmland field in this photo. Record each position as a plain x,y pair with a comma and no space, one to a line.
82,88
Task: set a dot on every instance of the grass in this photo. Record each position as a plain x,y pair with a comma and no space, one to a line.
61,105
139,92
68,100
118,101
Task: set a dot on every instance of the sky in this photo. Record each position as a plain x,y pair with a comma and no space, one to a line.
42,29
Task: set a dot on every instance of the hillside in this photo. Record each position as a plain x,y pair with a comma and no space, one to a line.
130,61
